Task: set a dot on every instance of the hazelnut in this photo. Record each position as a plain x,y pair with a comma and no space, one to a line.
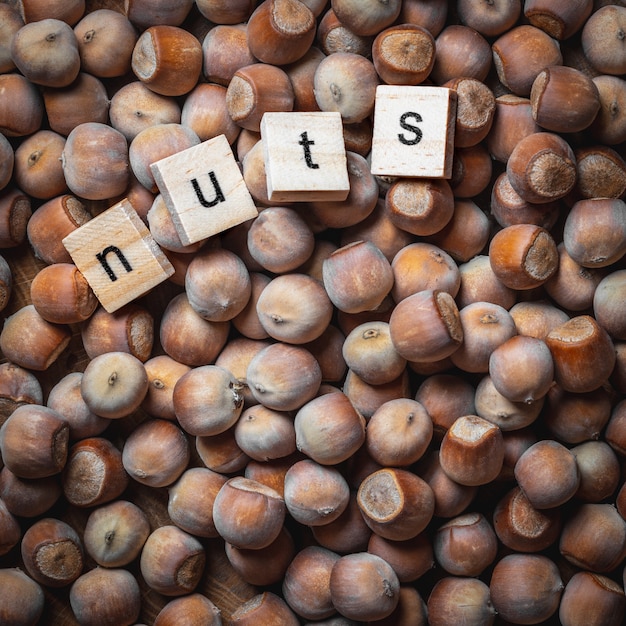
188,338
167,59
404,54
426,326
265,434
156,453
455,600
306,584
106,39
399,433
593,537
10,529
294,308
191,498
521,368
526,588
21,114
283,377
485,327
37,169
583,354
346,82
346,533
94,473
460,51
495,407
52,552
280,31
195,606
364,587
106,597
207,400
34,441
217,284
329,429
521,53
465,545
129,329
523,256
605,242
601,36
489,19
46,52
65,398
396,503
221,453
315,494
84,100
40,347
522,527
599,598
134,108
28,497
410,559
51,223
548,474
255,89
225,47
172,561
263,566
480,284
472,451
115,533
548,99
360,203
264,609
204,111
248,514
451,498
22,600
114,384
96,161
62,295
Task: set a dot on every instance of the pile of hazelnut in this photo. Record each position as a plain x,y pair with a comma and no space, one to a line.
404,408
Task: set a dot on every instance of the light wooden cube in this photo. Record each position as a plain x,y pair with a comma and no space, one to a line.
413,131
204,190
305,156
118,256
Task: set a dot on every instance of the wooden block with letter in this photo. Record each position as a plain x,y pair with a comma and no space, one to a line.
413,131
204,190
305,156
118,256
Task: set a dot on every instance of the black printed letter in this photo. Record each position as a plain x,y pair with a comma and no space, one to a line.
306,143
219,196
413,129
101,256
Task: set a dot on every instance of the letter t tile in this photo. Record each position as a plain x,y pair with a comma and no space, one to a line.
305,156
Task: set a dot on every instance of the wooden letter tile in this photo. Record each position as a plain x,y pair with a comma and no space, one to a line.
413,131
118,256
305,156
204,190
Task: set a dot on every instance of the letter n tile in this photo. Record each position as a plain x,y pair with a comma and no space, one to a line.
118,256
204,190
